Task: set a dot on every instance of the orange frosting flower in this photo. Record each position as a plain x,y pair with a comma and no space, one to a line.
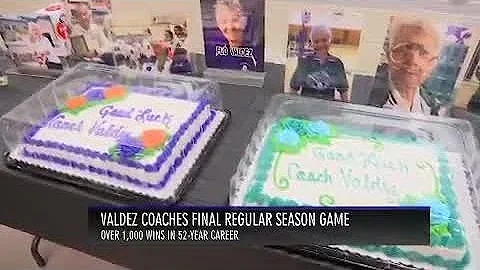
115,92
153,138
76,102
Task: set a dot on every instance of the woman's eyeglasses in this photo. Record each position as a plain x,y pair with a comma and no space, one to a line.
401,52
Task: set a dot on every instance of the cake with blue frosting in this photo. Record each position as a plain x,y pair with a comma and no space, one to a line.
316,163
137,138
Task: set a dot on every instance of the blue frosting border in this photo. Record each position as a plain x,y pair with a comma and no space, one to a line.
265,163
124,177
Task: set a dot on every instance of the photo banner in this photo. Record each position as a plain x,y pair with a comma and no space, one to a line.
159,46
233,32
419,62
38,40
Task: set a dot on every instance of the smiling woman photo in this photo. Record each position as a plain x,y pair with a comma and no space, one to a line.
321,74
412,54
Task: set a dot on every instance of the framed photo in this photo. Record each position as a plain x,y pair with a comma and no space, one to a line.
472,67
79,45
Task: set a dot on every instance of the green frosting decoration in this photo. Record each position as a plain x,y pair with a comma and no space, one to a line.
292,135
377,144
449,233
326,200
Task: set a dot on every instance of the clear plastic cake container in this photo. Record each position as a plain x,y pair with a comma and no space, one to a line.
455,135
23,117
113,176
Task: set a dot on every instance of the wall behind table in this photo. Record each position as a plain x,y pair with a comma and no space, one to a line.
136,15
20,7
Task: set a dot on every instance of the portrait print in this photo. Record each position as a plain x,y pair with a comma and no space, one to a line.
467,96
88,33
322,51
162,50
160,46
422,64
233,33
31,42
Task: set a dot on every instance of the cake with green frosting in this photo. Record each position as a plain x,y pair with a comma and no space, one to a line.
309,162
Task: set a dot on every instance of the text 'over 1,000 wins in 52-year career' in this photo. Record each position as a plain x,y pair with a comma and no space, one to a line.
167,235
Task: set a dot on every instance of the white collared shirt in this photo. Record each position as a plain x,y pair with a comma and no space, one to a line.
395,101
94,37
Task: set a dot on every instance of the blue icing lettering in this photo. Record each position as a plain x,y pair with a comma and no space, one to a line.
439,212
102,128
59,122
319,128
111,111
148,115
288,137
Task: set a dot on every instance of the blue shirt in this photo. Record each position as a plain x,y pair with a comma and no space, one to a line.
319,78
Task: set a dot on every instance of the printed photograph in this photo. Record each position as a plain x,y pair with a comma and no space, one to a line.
3,46
36,41
468,91
99,4
161,50
88,35
422,65
322,52
159,46
233,32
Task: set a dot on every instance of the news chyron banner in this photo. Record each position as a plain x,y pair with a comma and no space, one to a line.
264,226
233,32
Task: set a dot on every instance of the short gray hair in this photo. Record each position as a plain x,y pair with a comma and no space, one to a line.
321,30
232,4
400,22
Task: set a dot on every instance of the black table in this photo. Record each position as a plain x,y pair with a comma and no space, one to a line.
58,212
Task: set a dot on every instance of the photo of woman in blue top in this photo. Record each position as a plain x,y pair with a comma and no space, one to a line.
320,74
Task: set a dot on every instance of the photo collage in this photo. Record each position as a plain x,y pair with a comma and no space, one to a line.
66,33
421,63
157,47
403,60
39,39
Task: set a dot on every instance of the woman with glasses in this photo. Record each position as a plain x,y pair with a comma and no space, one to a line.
321,74
412,54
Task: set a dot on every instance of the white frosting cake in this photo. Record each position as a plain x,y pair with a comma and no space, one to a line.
313,163
114,134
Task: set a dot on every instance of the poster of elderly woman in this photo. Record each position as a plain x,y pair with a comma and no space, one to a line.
423,65
29,42
322,50
233,32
